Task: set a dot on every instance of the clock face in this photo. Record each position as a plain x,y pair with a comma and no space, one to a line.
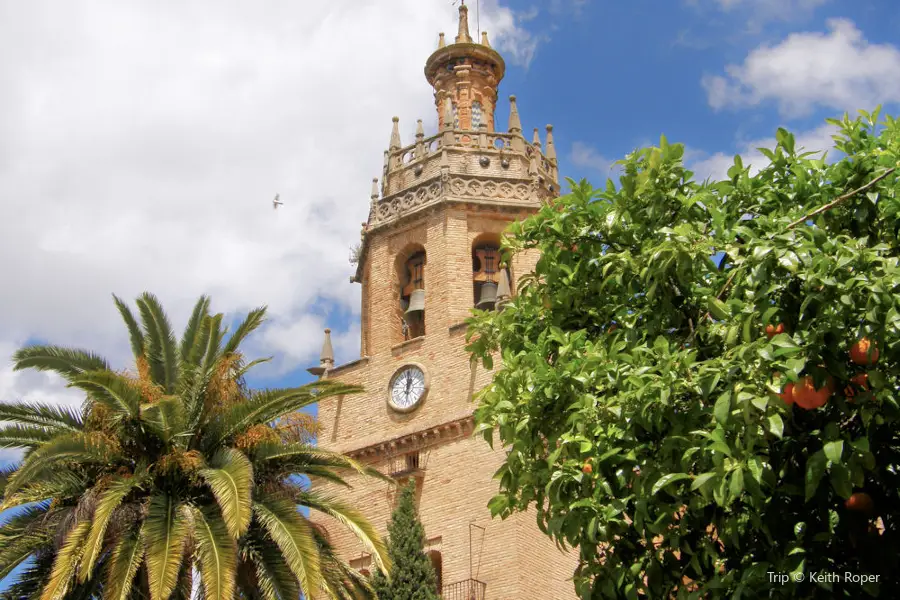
407,388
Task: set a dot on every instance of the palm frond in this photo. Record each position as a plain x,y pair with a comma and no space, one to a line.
214,341
117,393
164,536
123,565
304,459
230,477
66,563
201,340
253,320
42,415
68,362
193,328
353,520
185,584
15,550
79,447
269,405
135,335
243,370
159,341
217,554
293,536
109,500
30,580
24,436
269,574
165,418
46,484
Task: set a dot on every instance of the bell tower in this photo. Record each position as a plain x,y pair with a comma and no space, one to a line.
428,256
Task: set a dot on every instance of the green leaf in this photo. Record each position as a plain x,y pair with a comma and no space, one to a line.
666,480
834,450
737,482
776,425
815,470
723,408
840,480
700,480
718,309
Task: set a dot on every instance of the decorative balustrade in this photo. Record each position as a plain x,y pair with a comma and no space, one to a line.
468,589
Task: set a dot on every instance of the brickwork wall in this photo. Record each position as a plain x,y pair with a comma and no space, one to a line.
513,557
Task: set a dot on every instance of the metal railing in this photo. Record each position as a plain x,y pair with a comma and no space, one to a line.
468,589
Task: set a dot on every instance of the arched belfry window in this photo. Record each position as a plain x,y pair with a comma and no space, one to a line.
476,114
411,305
490,280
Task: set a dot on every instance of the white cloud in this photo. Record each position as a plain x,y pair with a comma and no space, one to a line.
715,166
141,146
838,69
758,13
585,156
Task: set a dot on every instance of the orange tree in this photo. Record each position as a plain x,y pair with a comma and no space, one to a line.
683,396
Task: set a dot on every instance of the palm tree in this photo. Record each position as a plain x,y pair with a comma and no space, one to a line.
172,478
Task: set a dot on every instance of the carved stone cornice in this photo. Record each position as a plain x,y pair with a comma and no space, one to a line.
420,440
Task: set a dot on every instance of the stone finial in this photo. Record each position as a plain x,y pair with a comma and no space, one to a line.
515,125
375,193
463,36
484,39
420,141
395,134
536,141
327,358
441,41
551,149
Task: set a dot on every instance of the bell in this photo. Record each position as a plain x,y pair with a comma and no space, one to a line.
488,296
416,301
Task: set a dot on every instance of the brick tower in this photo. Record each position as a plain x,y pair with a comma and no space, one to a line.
428,255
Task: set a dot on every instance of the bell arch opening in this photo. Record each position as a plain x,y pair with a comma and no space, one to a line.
491,281
410,284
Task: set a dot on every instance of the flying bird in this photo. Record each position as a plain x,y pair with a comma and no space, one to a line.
276,202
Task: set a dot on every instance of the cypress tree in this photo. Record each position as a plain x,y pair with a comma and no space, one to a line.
412,576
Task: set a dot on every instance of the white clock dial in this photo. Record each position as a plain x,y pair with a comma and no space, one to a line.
407,388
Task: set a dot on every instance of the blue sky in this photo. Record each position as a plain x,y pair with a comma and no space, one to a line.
141,145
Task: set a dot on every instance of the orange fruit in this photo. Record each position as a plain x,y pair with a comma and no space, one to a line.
773,330
787,394
806,396
860,502
862,380
864,352
587,469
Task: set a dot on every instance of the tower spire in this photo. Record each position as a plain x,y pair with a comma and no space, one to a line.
463,36
395,134
515,125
